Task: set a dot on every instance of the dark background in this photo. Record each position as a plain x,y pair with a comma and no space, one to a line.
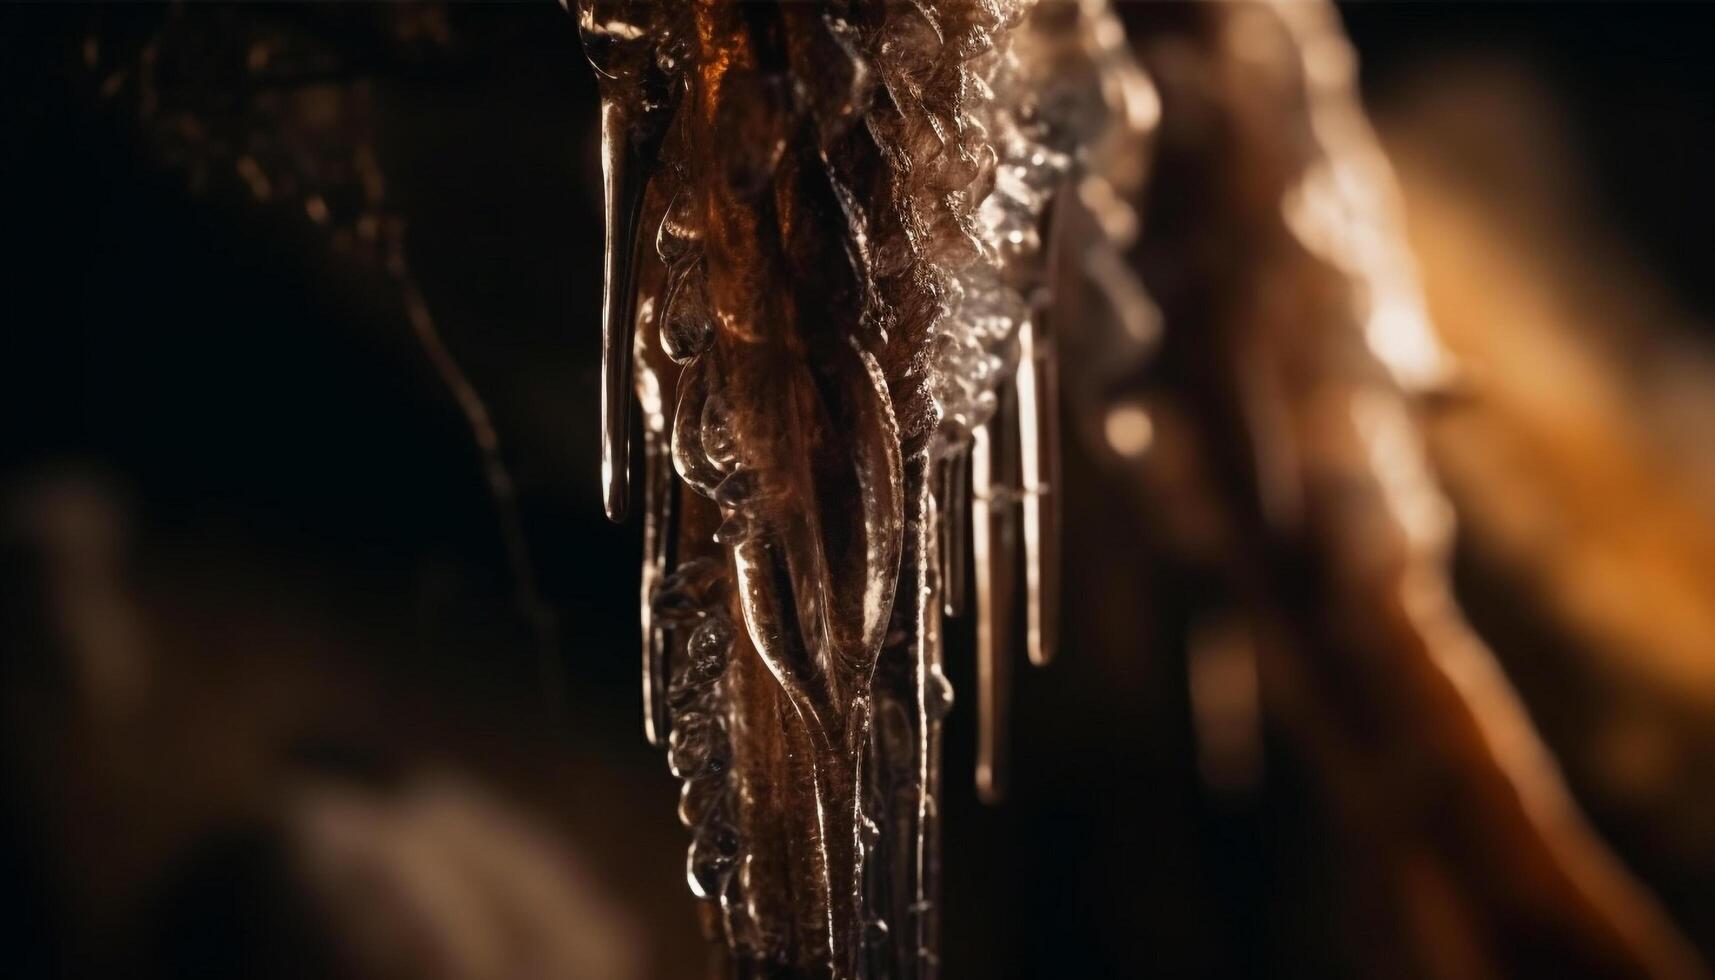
315,551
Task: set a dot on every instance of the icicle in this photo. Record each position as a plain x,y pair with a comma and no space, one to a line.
938,693
822,476
658,493
623,184
992,549
620,40
1038,443
935,701
955,521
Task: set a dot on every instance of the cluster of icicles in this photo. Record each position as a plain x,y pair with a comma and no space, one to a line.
825,271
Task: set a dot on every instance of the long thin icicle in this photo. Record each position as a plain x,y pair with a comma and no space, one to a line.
636,107
955,527
1038,447
622,200
993,556
658,493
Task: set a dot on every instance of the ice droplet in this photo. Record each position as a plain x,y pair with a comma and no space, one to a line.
687,325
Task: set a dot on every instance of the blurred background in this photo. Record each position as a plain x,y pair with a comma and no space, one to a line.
286,693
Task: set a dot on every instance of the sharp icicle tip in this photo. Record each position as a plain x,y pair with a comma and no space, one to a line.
623,185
